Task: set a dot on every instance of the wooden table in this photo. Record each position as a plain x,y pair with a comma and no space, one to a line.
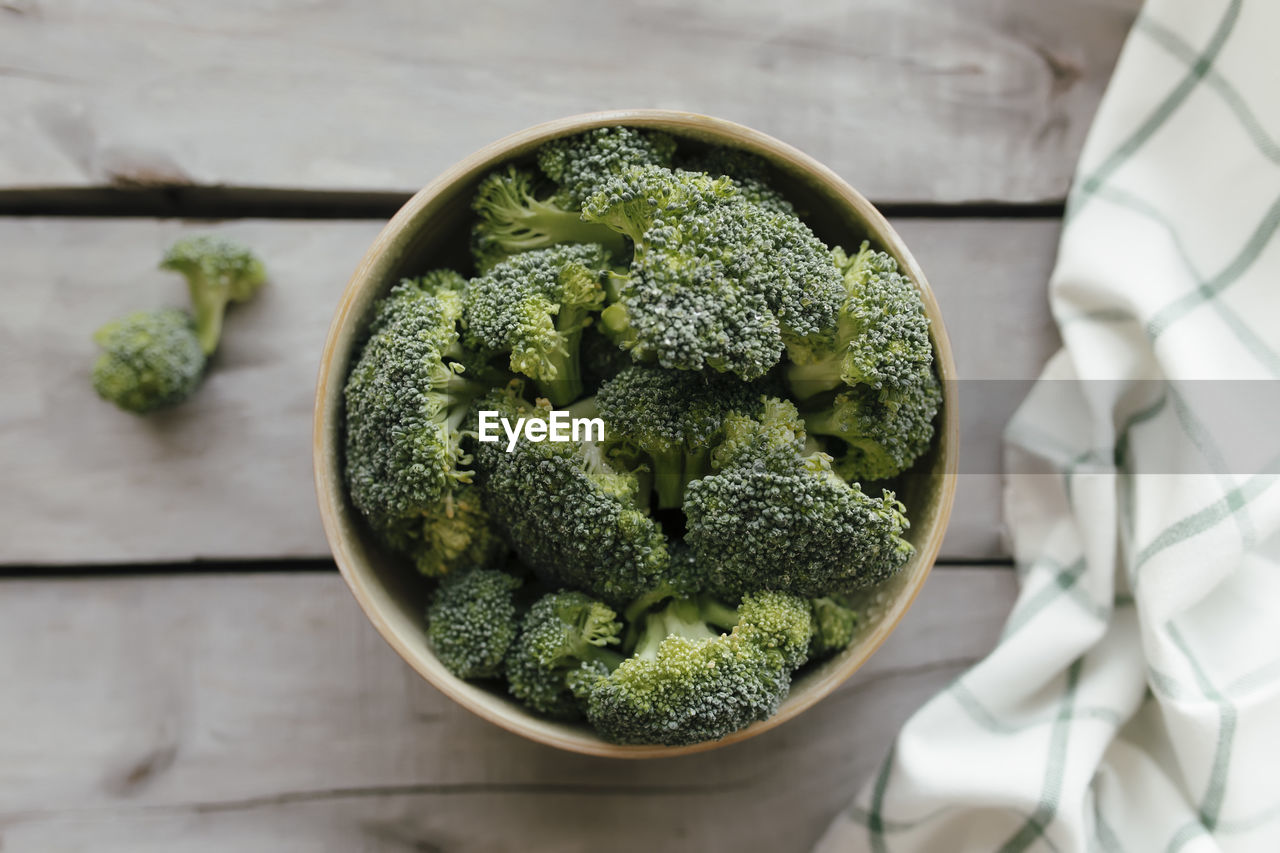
181,667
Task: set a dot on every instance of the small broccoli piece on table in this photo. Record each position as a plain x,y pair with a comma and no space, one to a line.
579,164
155,359
715,281
218,272
535,306
672,418
573,518
472,622
566,637
751,173
834,624
406,397
514,216
773,517
150,360
701,670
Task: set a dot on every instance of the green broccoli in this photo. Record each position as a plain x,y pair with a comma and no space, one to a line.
513,216
883,438
150,360
580,164
881,337
715,281
473,622
834,624
155,359
535,306
565,636
879,360
573,518
689,681
672,418
751,173
218,272
772,517
406,397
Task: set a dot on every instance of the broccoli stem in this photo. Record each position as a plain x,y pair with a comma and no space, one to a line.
684,617
825,374
674,468
539,224
644,478
645,601
716,613
651,637
564,364
584,408
690,618
825,422
614,282
697,464
617,326
668,475
210,304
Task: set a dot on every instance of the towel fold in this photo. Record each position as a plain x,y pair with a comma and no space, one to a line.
1133,702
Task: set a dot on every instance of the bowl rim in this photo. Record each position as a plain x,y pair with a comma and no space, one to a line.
333,499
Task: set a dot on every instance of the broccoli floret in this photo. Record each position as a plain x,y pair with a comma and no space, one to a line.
880,339
579,164
834,624
672,418
573,518
565,636
751,173
884,438
150,360
772,517
535,305
879,360
715,280
406,396
454,531
155,359
689,681
472,622
218,272
514,216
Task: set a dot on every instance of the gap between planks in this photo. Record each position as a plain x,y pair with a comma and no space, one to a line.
224,203
300,566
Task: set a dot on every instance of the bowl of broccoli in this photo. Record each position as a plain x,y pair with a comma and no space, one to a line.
634,432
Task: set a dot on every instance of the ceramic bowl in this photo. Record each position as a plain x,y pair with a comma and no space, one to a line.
431,230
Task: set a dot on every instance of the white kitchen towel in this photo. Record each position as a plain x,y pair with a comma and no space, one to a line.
1133,702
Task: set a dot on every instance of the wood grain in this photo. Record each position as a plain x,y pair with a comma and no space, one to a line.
227,476
927,100
261,712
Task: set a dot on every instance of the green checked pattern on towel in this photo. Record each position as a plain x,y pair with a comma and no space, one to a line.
1133,703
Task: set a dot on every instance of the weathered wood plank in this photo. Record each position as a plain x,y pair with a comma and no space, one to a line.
928,100
262,712
228,475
